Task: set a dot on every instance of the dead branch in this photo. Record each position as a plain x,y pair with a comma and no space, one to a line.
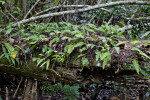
17,87
128,27
66,6
31,9
78,10
140,18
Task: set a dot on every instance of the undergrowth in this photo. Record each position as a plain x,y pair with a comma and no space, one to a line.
57,42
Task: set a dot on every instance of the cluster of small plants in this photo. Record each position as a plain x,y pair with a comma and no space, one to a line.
55,42
69,92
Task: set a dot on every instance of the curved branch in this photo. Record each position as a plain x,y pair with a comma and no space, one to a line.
66,6
79,10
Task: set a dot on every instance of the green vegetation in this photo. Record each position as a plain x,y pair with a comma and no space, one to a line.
69,92
67,40
56,42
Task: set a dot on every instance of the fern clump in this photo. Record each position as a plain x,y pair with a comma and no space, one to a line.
57,42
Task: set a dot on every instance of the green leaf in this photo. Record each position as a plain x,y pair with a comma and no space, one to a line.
41,60
79,35
54,40
106,59
17,60
104,54
48,63
117,49
20,48
3,2
52,33
9,30
44,49
140,52
18,25
98,55
5,53
70,49
90,45
64,38
81,55
146,44
13,61
9,47
135,42
136,65
43,64
85,61
34,59
83,49
120,43
1,56
56,1
144,72
79,44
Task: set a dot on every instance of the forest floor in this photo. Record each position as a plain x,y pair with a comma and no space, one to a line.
104,91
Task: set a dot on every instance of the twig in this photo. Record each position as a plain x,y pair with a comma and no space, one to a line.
126,28
78,10
128,23
130,20
140,18
110,20
43,3
17,88
31,9
92,18
7,94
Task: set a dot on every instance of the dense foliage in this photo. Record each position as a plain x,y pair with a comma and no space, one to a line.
56,43
110,37
69,92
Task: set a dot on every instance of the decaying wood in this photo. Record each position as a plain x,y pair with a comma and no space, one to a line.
74,72
30,90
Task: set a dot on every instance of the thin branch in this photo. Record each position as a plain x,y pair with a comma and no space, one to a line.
140,18
43,3
31,9
110,20
17,87
66,6
126,28
78,10
129,27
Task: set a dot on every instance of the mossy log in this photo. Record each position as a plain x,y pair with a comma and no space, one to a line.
75,72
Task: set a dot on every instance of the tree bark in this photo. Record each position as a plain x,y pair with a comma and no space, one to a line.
30,90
